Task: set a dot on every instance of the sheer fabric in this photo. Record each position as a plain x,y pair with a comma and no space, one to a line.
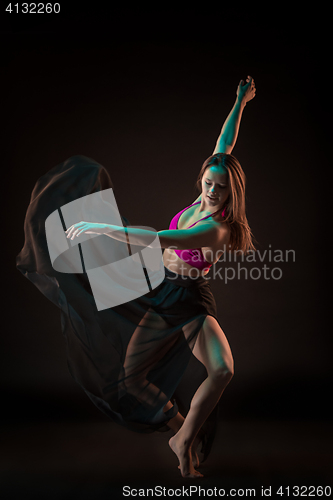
131,359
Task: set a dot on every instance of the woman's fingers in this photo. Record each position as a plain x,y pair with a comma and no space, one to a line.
72,227
73,230
76,233
82,231
84,227
247,89
70,230
73,234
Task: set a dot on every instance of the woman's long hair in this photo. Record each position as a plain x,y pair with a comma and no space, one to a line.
233,209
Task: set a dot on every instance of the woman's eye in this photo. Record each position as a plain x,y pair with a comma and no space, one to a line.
209,184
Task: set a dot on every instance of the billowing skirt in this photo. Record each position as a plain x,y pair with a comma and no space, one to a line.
133,358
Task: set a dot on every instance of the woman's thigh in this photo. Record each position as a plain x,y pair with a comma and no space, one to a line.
212,348
145,348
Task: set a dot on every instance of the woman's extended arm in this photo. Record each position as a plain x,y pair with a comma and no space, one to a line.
202,235
228,136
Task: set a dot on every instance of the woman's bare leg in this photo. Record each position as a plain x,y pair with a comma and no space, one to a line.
213,350
139,355
175,424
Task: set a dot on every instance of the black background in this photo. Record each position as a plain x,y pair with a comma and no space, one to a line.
145,92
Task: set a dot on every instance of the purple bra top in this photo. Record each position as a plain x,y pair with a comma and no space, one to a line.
193,256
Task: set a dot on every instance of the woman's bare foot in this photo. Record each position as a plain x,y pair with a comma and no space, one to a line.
185,458
195,457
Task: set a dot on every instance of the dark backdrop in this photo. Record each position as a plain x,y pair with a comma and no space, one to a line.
145,93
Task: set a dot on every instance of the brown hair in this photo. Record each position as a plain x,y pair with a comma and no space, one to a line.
234,207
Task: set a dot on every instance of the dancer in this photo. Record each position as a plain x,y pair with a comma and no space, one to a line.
133,360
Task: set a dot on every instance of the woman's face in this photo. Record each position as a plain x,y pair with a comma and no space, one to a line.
215,188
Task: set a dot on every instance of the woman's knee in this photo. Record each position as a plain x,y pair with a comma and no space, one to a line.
223,372
219,359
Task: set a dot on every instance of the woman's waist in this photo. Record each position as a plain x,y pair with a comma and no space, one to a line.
192,279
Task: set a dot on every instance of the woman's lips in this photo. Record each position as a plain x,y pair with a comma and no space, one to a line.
213,199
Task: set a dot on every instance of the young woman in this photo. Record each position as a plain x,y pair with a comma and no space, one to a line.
135,361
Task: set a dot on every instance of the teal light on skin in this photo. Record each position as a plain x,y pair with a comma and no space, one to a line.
214,184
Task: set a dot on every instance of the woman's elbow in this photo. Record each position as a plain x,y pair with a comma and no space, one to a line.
169,240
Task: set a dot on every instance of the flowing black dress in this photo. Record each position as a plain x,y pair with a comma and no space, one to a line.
133,358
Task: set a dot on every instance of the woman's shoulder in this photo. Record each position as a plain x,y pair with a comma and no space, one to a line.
223,232
221,229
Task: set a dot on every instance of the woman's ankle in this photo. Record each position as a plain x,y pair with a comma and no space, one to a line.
176,422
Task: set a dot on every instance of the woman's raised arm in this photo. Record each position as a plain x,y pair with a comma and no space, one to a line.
228,136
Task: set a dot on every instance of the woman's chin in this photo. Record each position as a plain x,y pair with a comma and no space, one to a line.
212,203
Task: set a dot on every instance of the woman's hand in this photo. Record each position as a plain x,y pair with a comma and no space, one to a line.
86,227
246,91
